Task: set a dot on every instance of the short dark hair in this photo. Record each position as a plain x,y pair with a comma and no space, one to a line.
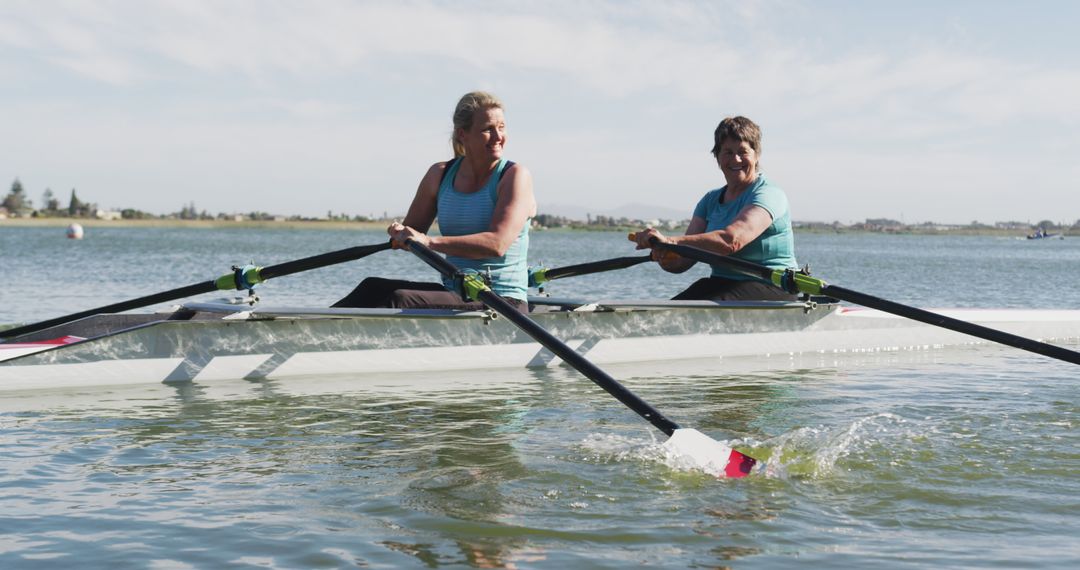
737,128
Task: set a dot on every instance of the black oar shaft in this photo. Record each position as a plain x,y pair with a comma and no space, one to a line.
950,323
735,264
162,297
595,267
986,333
579,362
550,342
279,270
322,260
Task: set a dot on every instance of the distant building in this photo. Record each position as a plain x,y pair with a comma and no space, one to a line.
883,225
107,214
935,227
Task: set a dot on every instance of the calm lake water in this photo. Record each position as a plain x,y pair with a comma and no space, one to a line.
953,458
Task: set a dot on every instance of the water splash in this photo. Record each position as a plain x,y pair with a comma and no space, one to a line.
710,460
807,452
604,448
816,451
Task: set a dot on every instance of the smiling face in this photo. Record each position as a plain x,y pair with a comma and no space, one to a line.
737,148
738,161
486,137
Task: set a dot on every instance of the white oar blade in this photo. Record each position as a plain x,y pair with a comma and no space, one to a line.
696,450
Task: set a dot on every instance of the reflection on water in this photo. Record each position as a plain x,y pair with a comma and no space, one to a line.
935,452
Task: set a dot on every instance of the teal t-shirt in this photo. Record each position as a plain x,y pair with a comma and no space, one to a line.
774,248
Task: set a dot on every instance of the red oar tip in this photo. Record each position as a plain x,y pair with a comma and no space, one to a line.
694,449
739,465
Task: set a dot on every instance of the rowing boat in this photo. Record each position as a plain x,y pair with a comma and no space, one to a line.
210,341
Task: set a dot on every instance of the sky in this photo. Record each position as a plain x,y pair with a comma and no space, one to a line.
942,111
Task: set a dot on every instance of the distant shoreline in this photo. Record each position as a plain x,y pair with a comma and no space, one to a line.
916,231
196,224
91,223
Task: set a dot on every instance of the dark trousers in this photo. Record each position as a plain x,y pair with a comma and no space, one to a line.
720,289
376,292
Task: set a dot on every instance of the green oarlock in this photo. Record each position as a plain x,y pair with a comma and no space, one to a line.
538,276
807,284
473,285
804,283
241,278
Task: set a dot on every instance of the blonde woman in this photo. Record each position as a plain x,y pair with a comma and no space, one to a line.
484,204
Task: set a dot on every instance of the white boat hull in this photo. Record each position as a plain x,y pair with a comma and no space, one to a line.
291,342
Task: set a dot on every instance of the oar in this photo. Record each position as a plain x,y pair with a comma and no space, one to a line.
705,452
795,282
538,277
240,278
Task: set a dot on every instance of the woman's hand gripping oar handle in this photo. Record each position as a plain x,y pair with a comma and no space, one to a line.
705,452
664,256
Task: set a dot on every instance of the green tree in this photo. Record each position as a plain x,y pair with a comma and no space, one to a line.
49,202
189,212
133,214
75,206
16,200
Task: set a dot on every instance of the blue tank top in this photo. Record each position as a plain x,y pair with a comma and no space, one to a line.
462,214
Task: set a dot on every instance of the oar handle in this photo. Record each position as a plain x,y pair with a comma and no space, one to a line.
739,265
544,275
664,255
436,261
549,341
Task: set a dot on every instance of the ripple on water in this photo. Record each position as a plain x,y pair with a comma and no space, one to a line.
888,460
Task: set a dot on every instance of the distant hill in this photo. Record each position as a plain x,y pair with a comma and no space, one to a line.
632,211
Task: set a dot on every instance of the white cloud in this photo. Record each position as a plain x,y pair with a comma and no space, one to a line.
618,98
